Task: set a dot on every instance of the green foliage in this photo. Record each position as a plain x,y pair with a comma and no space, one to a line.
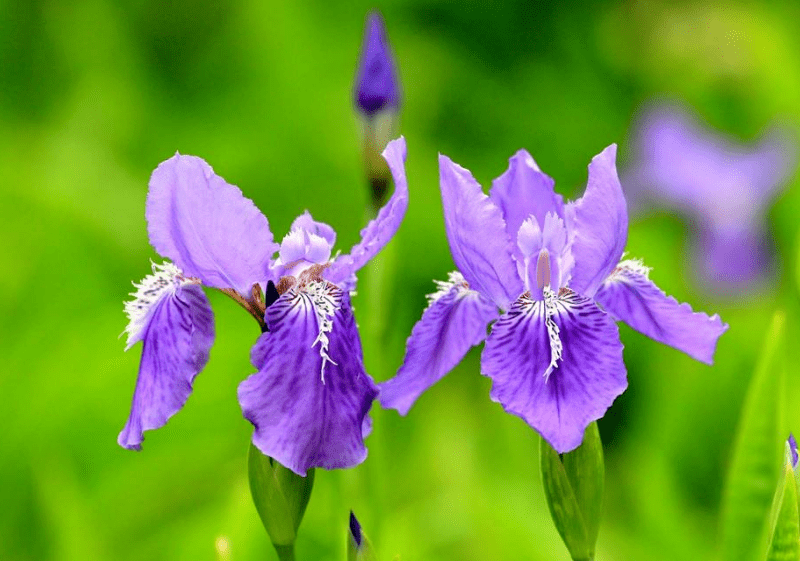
573,486
756,457
96,93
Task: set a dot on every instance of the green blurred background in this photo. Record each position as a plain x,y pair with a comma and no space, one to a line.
94,94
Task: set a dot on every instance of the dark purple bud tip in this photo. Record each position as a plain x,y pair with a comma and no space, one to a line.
377,86
355,529
793,450
271,294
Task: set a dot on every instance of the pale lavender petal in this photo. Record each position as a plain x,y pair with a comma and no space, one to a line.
306,222
450,326
380,230
793,449
303,245
630,296
175,323
523,190
680,162
733,259
305,417
479,241
589,375
598,225
206,226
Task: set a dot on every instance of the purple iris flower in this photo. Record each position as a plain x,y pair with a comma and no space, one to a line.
554,354
310,396
377,86
723,187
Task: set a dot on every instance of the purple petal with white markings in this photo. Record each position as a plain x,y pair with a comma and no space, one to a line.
630,296
305,417
589,375
177,334
449,327
477,234
380,230
523,190
206,226
598,225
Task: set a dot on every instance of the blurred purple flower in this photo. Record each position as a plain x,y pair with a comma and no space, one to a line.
310,398
554,355
377,86
724,188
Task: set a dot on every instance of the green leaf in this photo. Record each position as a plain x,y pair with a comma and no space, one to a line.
573,485
784,543
754,468
280,497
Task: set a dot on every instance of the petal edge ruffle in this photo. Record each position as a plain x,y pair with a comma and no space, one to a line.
300,419
449,327
589,376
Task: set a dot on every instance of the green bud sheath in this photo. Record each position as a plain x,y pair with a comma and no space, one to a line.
281,497
359,547
784,540
573,487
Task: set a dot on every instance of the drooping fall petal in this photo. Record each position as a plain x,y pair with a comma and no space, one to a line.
558,402
311,394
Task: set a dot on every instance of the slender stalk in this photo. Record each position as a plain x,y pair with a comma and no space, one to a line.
285,552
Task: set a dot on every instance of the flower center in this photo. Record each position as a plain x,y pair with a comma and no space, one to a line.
543,269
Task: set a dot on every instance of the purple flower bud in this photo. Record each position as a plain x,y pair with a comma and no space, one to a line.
355,529
377,85
793,449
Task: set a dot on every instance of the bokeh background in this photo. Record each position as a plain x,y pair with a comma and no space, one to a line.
94,94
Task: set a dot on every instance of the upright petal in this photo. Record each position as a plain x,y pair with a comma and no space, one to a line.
558,402
477,234
630,296
523,190
206,226
306,222
455,321
380,230
309,399
598,225
174,320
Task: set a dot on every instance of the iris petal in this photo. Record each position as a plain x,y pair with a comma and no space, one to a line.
587,379
206,226
450,326
630,296
300,419
380,230
523,190
477,234
598,225
177,333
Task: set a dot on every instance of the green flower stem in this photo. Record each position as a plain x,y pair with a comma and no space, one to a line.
285,552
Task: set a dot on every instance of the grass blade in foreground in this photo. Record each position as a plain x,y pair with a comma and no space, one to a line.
754,468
